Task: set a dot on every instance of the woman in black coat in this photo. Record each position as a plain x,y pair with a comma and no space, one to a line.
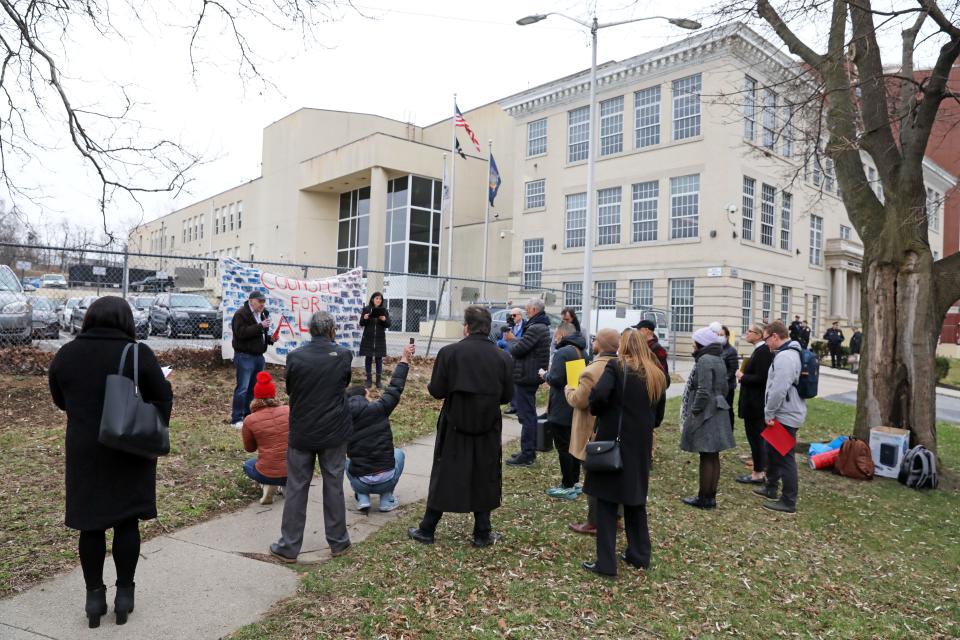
625,401
105,488
373,344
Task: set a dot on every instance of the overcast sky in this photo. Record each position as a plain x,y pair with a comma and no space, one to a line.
402,63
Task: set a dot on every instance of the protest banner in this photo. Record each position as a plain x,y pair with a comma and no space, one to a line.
291,302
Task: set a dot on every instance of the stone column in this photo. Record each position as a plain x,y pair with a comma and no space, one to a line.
378,227
838,293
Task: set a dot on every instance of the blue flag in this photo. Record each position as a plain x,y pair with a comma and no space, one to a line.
494,180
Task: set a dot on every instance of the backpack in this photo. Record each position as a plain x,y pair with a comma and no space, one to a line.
919,469
809,375
855,460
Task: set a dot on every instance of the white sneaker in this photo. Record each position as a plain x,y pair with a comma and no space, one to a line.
269,491
238,425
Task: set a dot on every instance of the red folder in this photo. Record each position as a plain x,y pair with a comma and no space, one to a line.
778,437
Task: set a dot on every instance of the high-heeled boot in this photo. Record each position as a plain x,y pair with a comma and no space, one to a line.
123,604
96,605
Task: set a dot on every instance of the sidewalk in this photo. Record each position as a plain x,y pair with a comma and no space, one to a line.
206,581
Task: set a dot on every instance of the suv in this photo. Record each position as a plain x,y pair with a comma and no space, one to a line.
176,314
66,311
53,281
16,317
153,283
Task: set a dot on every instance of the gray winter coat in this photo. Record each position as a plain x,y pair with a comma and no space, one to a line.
782,400
705,415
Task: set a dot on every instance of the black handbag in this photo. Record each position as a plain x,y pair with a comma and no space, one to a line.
603,456
129,423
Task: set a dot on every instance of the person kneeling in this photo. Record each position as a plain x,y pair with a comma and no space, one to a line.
374,465
265,430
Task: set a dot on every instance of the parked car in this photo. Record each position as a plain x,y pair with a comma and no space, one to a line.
16,318
143,303
499,319
53,281
153,283
32,281
45,322
76,317
65,312
141,318
177,314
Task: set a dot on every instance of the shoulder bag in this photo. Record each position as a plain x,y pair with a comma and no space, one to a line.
129,423
603,456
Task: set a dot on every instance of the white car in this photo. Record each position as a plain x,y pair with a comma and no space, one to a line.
53,281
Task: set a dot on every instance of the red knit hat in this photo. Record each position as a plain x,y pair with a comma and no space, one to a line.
264,388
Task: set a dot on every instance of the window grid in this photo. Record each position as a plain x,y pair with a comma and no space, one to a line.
785,294
606,294
685,206
536,194
573,295
844,232
828,174
576,225
769,118
766,302
746,306
608,216
814,314
537,137
646,196
611,126
767,211
647,117
578,134
787,134
686,107
816,240
749,109
641,294
786,219
681,304
532,263
749,192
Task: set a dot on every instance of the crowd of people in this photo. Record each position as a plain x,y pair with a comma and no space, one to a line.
619,396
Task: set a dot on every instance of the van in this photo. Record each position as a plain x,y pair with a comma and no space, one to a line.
16,316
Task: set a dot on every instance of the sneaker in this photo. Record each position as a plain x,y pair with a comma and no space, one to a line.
766,492
388,502
566,493
363,502
269,491
779,505
238,425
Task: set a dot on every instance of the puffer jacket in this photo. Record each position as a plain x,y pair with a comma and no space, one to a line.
317,376
532,352
370,448
572,347
265,431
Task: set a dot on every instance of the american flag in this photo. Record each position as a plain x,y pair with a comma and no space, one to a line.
461,122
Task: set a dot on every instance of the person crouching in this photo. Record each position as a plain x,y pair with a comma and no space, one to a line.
265,431
373,464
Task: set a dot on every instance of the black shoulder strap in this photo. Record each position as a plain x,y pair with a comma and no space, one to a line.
623,400
136,365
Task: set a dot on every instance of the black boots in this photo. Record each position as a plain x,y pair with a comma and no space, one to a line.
96,605
123,604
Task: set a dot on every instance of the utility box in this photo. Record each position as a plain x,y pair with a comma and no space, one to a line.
888,446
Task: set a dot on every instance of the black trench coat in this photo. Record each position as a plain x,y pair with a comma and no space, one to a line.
373,342
473,377
104,486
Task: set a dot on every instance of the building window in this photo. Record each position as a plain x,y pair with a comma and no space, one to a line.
844,232
252,250
686,107
216,221
354,229
532,263
578,134
749,109
646,196
537,137
786,219
816,240
814,314
769,118
685,207
767,208
608,216
828,174
785,293
536,194
412,233
746,306
573,295
606,294
239,215
646,106
681,304
766,303
641,294
576,227
611,126
933,210
749,191
817,170
201,229
787,133
183,229
232,210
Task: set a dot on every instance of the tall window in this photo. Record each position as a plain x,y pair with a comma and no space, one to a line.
239,214
767,207
532,263
641,294
216,221
816,240
844,232
645,198
786,219
933,209
646,117
746,306
573,295
537,137
412,233
749,108
353,239
578,134
681,304
785,294
608,216
787,133
611,126
769,118
685,206
686,107
766,302
814,314
233,208
606,294
749,191
828,174
576,227
536,194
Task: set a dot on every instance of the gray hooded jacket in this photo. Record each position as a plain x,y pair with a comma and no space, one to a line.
782,400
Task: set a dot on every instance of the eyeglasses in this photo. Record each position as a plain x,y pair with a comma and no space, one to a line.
515,315
753,331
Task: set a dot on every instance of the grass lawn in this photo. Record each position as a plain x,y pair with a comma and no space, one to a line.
953,377
859,560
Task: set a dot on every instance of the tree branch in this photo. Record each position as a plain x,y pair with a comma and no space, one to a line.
942,21
946,278
797,46
908,88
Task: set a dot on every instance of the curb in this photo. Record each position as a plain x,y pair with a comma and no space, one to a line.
850,377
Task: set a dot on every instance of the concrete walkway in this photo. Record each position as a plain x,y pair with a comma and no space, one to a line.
206,581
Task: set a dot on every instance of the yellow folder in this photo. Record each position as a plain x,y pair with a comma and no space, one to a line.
574,369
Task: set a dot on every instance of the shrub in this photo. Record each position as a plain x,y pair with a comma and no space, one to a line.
941,367
819,347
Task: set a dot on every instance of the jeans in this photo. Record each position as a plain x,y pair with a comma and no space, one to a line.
525,402
367,366
387,486
250,469
248,366
783,468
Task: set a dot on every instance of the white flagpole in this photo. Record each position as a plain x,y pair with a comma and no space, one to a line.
453,166
486,222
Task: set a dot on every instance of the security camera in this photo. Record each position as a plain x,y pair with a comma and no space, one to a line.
495,215
503,234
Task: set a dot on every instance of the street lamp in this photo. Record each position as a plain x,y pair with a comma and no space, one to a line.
594,26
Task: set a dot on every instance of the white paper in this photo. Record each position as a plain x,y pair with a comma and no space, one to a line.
166,371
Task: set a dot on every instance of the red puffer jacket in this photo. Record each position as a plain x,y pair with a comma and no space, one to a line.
265,430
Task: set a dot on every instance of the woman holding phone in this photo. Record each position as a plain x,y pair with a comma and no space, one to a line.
373,345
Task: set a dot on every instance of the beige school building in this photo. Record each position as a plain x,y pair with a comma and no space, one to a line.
707,203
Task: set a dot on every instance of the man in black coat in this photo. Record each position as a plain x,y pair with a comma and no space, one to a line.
473,379
834,338
804,334
320,426
570,346
795,327
753,388
251,335
530,354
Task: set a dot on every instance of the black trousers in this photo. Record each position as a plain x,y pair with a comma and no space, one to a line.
481,522
783,468
126,553
729,400
569,466
835,356
638,536
758,446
